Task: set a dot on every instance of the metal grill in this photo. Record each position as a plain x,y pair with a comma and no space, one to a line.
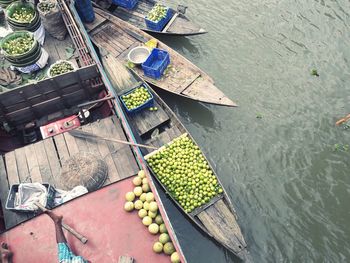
85,58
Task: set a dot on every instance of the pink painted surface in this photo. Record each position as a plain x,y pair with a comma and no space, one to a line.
100,217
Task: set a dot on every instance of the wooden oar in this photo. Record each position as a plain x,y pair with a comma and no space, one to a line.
341,121
87,135
79,236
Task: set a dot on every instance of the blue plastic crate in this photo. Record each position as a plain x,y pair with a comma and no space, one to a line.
156,63
128,4
158,26
147,104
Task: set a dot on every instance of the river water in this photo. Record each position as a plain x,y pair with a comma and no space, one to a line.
279,155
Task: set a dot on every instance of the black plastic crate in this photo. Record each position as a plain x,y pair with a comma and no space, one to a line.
11,198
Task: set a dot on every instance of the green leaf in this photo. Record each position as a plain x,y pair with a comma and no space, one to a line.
69,52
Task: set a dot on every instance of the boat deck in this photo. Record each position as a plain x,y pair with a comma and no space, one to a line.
42,161
100,217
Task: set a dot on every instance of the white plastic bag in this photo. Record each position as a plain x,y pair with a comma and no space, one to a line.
39,34
64,196
29,194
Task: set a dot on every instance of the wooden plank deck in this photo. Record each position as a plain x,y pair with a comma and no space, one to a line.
42,161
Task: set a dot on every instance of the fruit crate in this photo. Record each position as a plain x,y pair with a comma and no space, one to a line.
11,198
147,104
128,4
158,26
156,63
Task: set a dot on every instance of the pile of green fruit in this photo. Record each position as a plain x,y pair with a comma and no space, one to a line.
136,98
182,169
46,7
23,14
142,199
18,45
157,13
60,68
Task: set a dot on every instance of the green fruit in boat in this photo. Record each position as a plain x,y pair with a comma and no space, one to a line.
129,206
146,220
168,248
159,220
146,206
175,258
153,228
146,188
137,181
158,247
164,238
138,204
144,181
130,196
138,191
162,229
152,214
142,213
149,197
143,197
141,174
153,206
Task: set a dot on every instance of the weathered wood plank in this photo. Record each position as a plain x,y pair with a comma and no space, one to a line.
122,155
22,166
61,147
97,22
71,144
54,161
10,220
125,259
221,223
33,165
43,162
98,129
147,120
11,166
91,144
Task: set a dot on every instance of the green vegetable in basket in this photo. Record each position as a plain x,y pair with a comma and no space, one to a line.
157,13
46,6
18,45
183,170
23,14
136,98
61,68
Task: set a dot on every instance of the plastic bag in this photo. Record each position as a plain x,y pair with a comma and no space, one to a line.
53,21
39,34
64,196
29,194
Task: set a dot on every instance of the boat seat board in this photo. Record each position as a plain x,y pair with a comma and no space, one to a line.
146,120
219,220
42,161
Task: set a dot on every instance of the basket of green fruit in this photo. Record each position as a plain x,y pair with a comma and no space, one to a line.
20,45
158,17
21,13
60,67
137,99
184,172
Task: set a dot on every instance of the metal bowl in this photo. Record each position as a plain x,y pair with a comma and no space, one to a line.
138,55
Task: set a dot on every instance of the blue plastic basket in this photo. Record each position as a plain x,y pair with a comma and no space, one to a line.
158,26
156,63
147,104
128,4
85,10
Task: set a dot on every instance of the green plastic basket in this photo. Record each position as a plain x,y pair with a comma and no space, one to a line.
16,34
11,9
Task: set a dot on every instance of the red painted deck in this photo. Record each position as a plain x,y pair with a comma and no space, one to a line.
99,216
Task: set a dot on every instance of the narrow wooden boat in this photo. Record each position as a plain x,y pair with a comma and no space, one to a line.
178,25
181,78
46,109
217,218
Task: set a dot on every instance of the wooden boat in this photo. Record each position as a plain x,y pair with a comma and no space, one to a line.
217,218
47,108
181,78
178,25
